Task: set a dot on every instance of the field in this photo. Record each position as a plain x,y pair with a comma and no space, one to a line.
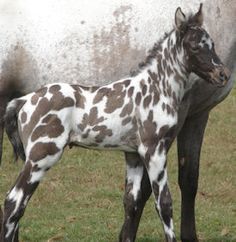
80,199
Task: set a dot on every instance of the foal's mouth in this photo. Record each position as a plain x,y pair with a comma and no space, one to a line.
219,76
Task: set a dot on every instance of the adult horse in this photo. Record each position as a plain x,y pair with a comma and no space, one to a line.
47,41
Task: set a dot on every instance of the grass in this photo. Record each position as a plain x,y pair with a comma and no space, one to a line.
80,199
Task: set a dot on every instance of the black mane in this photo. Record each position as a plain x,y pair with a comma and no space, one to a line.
152,53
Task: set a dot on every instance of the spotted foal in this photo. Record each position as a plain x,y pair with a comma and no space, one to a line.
137,115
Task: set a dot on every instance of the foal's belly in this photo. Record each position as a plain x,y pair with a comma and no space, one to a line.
114,137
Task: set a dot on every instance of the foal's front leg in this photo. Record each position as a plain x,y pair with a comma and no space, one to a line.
137,192
155,161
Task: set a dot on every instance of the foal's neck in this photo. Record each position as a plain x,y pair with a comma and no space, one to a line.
169,64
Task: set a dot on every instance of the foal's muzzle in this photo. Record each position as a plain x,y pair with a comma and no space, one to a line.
220,76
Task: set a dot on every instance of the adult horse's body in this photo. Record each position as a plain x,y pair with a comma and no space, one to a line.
69,41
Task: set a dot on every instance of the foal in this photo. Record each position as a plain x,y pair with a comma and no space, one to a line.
136,115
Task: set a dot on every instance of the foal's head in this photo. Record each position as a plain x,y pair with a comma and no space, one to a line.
199,50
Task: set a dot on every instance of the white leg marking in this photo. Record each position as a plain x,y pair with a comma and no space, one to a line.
16,196
36,176
134,176
156,165
45,163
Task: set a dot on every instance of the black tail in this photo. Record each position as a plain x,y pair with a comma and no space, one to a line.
11,126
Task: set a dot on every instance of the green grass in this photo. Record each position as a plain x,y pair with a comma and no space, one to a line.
80,198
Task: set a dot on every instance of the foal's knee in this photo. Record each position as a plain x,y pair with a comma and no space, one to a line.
166,206
131,202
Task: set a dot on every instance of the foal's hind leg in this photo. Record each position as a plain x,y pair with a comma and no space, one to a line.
155,161
26,183
137,192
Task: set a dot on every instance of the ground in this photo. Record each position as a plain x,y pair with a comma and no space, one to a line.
80,198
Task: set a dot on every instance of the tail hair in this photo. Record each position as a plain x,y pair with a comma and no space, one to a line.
11,127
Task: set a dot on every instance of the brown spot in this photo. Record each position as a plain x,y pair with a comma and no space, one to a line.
79,98
51,128
156,97
23,117
118,87
165,204
42,150
41,109
144,90
44,106
169,90
127,109
168,108
163,106
138,98
68,102
90,119
42,91
115,98
24,175
34,99
126,121
127,82
153,75
161,147
103,132
55,88
174,51
130,138
93,117
147,101
130,91
169,71
155,189
100,94
149,136
94,88
161,175
86,134
178,78
166,54
175,101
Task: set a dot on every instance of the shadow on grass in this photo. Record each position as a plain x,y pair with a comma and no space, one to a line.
149,239
219,239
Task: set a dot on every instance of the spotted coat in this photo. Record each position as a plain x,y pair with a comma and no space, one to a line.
137,115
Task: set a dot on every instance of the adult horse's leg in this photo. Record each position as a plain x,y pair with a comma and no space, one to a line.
189,147
137,192
3,103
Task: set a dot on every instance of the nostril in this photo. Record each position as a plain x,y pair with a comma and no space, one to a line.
222,75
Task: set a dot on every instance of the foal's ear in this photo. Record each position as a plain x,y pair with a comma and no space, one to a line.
180,18
198,17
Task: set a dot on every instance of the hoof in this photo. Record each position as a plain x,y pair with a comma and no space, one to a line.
190,240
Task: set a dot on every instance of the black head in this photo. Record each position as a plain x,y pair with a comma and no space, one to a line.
199,49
